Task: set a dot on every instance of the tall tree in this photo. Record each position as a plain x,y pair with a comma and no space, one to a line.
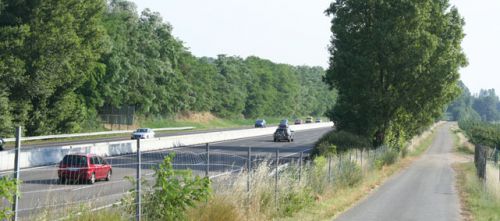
55,48
461,107
486,105
395,64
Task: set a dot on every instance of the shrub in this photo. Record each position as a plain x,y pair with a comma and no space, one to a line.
172,193
8,188
339,141
294,200
388,157
316,174
349,174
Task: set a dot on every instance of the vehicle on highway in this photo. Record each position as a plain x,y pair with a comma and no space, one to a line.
298,121
318,120
84,167
260,123
1,144
143,133
309,120
283,123
283,133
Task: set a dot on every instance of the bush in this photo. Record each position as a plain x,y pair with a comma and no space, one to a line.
388,157
295,200
349,174
172,193
339,141
317,179
8,188
481,133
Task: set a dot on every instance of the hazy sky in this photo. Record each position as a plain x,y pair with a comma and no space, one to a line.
297,31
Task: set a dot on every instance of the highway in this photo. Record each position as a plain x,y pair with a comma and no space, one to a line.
43,194
97,139
424,191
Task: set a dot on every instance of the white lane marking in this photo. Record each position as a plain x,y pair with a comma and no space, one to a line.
29,168
49,190
80,188
90,186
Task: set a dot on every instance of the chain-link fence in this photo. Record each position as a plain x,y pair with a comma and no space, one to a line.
117,117
86,182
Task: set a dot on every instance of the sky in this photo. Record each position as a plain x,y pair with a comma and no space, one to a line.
297,32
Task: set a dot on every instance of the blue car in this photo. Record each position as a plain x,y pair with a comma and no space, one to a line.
260,123
283,123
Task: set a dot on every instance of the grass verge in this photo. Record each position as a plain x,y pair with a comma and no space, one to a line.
477,202
337,200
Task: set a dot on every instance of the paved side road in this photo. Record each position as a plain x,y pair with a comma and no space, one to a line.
425,191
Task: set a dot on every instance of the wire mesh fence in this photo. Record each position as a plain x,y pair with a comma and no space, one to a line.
85,182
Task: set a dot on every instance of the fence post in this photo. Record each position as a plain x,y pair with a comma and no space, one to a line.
356,150
329,168
138,180
361,158
15,203
340,162
249,169
207,167
300,165
276,179
497,149
480,160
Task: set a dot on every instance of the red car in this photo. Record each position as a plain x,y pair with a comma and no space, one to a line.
84,167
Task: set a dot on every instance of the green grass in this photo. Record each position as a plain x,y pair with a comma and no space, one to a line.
459,146
334,201
479,203
210,124
424,145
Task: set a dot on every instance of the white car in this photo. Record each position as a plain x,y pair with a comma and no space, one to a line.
143,133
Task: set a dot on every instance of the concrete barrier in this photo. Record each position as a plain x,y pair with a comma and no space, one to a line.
50,155
12,139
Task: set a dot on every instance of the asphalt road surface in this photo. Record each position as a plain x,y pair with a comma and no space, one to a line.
423,192
43,194
87,140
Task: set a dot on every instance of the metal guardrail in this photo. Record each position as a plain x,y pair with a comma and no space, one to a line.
92,134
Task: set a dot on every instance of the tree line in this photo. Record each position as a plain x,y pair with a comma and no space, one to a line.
61,62
484,106
478,115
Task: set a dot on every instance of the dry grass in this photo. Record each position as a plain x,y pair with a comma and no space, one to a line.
462,144
493,180
478,203
315,197
220,207
334,202
201,117
338,200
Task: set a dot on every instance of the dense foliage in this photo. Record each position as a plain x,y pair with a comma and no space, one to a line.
340,141
478,116
61,62
395,65
482,133
8,188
